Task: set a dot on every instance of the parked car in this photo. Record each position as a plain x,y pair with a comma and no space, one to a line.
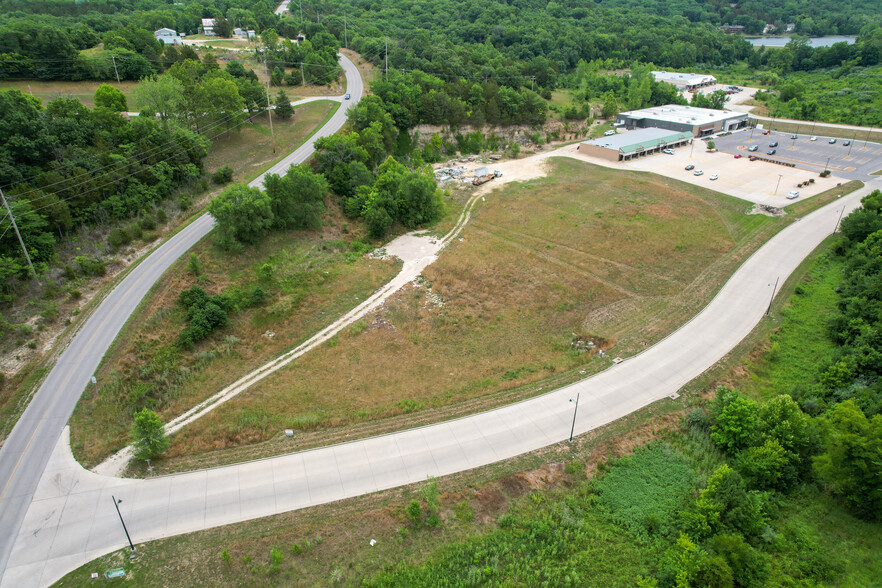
737,156
753,148
346,97
766,132
698,172
813,139
690,167
608,133
714,177
773,144
772,151
668,151
846,143
831,141
752,158
794,137
792,195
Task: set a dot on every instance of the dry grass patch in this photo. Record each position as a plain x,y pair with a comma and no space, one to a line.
82,91
616,258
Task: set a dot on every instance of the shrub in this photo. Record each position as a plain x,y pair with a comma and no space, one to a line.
147,222
117,237
226,558
414,511
148,435
223,175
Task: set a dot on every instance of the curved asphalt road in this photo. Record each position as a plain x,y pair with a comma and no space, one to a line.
26,451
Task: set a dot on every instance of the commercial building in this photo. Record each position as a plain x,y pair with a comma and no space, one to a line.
674,117
684,81
168,36
633,144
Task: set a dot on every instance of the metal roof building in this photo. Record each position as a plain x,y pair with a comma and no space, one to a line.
684,81
633,144
675,117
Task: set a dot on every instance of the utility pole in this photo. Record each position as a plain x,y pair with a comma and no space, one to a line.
345,37
20,240
113,58
302,75
386,74
533,83
300,3
269,110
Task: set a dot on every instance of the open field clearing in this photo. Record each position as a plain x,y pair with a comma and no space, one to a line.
82,91
545,269
482,514
250,150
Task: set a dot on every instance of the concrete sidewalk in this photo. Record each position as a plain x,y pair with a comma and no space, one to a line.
71,519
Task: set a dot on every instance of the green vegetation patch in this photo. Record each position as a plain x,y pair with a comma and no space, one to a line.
643,491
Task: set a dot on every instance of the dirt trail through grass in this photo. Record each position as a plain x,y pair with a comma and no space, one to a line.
417,251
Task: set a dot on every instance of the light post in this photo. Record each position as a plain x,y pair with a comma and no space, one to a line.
750,140
691,148
827,164
778,184
575,410
769,309
838,220
793,145
850,145
867,138
116,504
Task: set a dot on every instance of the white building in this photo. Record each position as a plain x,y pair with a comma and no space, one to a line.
208,26
168,36
684,81
674,117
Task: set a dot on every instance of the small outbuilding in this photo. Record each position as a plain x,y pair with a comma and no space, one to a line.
168,36
634,144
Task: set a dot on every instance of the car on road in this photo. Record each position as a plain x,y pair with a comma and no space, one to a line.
831,141
698,172
668,151
846,143
771,151
794,137
737,156
813,139
690,167
753,148
714,177
608,133
773,144
792,195
346,97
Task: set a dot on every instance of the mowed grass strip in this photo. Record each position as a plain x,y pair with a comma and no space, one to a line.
82,91
586,254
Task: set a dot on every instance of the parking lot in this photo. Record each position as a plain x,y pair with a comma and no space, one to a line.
854,162
755,181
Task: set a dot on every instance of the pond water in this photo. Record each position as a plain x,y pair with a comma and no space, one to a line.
813,41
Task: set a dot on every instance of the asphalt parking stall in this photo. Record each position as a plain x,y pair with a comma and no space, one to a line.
857,160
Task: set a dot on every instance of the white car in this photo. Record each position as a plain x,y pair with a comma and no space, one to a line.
813,139
668,151
714,176
792,195
608,133
698,172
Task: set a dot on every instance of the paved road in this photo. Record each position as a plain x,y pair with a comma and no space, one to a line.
71,519
26,452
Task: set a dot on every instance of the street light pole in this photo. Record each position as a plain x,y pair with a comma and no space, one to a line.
116,505
775,289
838,220
778,184
867,138
827,164
850,145
576,410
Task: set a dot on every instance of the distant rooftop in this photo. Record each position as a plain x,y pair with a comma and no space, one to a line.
646,138
689,79
676,113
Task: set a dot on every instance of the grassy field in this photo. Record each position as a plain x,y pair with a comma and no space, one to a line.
250,150
548,512
82,91
616,258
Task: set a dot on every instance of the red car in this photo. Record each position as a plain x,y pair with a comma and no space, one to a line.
752,158
737,156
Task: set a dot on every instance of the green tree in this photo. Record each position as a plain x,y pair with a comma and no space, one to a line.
148,435
243,215
736,422
851,465
768,466
610,105
106,96
283,106
297,198
163,96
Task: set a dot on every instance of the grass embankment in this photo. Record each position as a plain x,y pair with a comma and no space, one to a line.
536,517
616,258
